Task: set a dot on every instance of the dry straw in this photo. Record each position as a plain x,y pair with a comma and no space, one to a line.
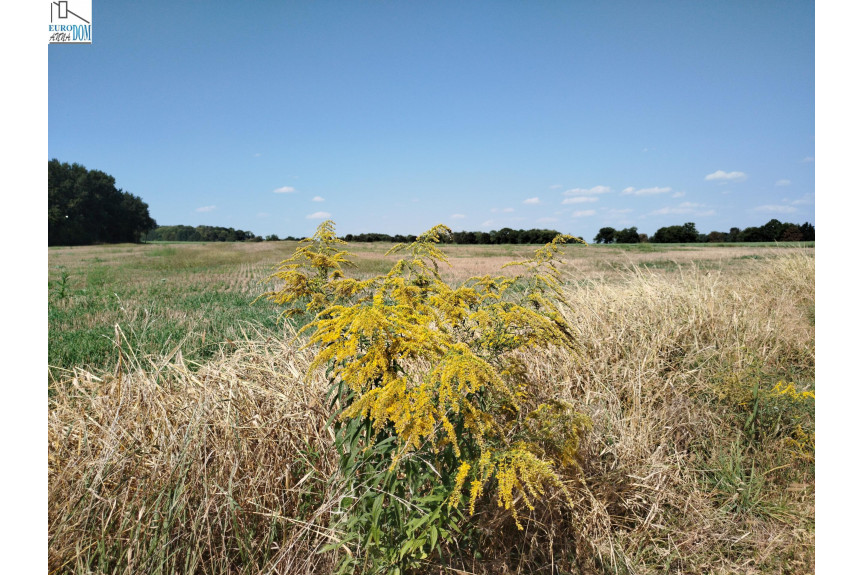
160,468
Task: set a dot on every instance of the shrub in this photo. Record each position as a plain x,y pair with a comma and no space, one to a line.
435,413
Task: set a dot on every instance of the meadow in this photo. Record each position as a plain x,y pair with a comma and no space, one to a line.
186,437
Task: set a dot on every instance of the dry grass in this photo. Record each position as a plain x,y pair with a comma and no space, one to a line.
156,469
161,470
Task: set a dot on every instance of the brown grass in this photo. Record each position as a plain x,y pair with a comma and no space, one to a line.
155,469
161,470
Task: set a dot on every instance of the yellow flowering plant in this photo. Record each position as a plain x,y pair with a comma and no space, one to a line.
434,407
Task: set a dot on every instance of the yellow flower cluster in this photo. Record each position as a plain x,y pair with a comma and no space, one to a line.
790,390
433,364
313,274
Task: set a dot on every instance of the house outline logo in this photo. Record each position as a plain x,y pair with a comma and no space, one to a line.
70,24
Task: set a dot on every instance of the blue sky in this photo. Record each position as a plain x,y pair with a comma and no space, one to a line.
396,116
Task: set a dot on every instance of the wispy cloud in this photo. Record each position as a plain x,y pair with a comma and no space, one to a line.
780,183
594,191
775,209
487,224
619,212
205,209
531,201
678,194
687,208
583,213
263,215
722,176
630,191
555,187
546,220
808,159
502,210
284,190
458,216
805,200
580,200
317,199
318,216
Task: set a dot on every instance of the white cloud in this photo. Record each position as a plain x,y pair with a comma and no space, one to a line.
808,159
487,224
583,213
205,209
555,187
502,210
318,216
726,176
531,201
284,190
458,216
645,191
783,183
805,200
580,200
678,194
317,199
594,191
776,209
687,208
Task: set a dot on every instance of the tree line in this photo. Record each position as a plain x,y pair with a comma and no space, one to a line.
200,234
86,207
772,231
502,236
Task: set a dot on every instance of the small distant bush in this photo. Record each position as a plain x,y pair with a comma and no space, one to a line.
435,414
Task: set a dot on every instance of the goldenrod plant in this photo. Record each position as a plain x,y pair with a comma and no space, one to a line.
313,275
434,407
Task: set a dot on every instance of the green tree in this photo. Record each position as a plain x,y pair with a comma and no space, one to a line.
676,234
626,236
85,207
605,236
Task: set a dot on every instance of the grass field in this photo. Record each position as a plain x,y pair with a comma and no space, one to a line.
184,438
195,298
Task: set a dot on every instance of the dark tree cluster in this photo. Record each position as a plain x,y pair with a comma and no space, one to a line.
502,236
201,234
85,207
772,231
685,234
625,236
375,237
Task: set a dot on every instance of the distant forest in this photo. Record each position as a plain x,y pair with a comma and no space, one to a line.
772,231
200,234
85,207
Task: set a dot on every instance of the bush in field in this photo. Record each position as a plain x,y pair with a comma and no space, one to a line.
436,416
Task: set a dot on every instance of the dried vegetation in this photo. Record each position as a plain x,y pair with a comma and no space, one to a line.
693,464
